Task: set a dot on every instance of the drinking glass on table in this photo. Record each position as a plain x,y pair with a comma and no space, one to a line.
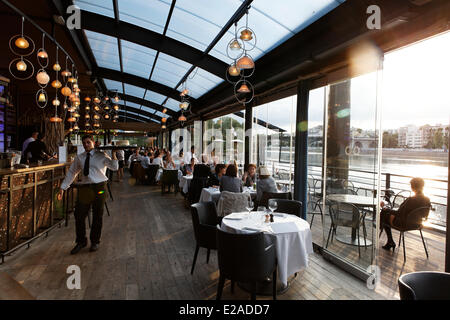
250,206
272,205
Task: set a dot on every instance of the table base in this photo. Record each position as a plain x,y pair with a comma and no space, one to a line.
264,288
347,239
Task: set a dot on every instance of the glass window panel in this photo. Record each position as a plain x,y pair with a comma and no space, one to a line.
105,49
203,81
274,24
103,7
173,104
154,97
197,23
295,20
113,85
137,60
149,14
134,91
169,68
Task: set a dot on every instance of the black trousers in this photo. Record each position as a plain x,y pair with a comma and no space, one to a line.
385,215
90,195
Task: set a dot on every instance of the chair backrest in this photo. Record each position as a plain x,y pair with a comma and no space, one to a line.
424,285
169,176
245,257
138,171
344,214
273,195
152,170
232,202
204,221
289,206
414,219
195,188
399,198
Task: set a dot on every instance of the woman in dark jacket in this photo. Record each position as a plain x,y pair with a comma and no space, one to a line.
390,217
230,181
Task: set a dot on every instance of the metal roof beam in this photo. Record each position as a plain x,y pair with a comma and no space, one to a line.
153,40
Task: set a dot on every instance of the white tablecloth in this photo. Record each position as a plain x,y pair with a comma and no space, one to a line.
185,181
292,234
213,194
158,174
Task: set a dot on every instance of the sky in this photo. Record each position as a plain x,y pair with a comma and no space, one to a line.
415,89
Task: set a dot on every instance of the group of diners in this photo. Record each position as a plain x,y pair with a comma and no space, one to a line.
225,176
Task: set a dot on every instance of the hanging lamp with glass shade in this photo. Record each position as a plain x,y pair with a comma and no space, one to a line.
182,118
246,62
21,42
243,88
42,55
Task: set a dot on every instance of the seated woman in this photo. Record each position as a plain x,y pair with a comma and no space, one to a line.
266,183
189,168
169,164
214,179
249,177
230,181
389,217
158,159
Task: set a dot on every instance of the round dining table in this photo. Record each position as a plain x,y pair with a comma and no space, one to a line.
361,202
293,239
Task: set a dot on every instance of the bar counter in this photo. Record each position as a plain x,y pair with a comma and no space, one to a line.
28,204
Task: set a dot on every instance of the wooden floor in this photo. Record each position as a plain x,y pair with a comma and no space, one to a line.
146,253
391,264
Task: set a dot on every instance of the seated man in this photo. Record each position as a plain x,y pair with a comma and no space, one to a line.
389,217
214,179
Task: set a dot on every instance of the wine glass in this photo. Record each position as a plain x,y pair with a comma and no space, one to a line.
250,205
273,205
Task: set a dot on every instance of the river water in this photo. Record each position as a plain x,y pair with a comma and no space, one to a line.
402,165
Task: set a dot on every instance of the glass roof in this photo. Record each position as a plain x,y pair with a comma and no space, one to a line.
105,49
137,60
103,7
195,23
113,85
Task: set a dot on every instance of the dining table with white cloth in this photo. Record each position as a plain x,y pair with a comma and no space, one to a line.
213,194
292,234
185,181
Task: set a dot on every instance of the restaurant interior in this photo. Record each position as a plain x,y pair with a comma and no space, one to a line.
284,100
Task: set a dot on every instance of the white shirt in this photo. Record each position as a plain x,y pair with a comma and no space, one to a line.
25,145
158,160
120,155
188,156
145,161
98,163
132,158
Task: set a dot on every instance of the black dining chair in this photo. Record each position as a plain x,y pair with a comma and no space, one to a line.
273,195
195,188
289,206
346,215
204,221
424,285
247,258
169,178
412,221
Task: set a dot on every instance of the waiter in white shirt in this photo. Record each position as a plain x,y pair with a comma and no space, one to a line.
92,190
189,155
